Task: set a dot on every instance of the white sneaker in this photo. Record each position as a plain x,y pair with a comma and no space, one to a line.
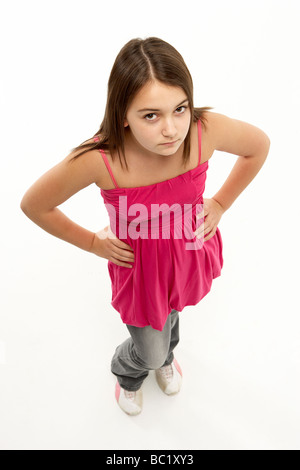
169,378
130,402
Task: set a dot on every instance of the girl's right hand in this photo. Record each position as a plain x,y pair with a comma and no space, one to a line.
107,245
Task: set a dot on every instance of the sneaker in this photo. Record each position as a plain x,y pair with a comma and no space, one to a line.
130,402
169,378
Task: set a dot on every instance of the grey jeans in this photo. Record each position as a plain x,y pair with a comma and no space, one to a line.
146,349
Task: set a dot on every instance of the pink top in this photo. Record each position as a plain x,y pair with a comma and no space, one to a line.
171,268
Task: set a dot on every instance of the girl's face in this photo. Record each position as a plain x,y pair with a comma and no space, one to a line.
159,114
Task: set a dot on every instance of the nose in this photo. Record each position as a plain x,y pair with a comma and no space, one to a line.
168,128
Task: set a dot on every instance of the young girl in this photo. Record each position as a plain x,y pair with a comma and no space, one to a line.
163,245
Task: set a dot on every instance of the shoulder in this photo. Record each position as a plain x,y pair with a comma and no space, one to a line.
207,145
90,163
233,135
211,121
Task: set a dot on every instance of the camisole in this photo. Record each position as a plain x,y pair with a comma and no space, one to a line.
172,268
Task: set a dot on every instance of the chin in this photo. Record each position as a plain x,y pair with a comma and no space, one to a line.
168,152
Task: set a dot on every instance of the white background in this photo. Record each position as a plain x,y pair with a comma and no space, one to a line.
239,347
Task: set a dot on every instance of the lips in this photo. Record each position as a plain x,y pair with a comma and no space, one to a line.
168,143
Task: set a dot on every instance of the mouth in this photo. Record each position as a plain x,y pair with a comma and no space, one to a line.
170,143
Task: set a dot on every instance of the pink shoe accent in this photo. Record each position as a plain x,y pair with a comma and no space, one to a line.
117,391
177,366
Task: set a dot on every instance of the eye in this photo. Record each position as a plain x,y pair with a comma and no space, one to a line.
183,108
150,114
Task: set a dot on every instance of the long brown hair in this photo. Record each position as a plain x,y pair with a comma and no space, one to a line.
140,61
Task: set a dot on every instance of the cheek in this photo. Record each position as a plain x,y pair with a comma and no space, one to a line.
188,119
139,132
148,134
185,126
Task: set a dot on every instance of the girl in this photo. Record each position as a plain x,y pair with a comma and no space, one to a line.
150,157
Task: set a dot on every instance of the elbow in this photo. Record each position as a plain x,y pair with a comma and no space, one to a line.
268,143
26,211
265,146
25,206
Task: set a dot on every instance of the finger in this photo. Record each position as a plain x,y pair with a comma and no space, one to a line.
206,231
210,235
120,263
119,244
200,215
203,230
121,254
200,231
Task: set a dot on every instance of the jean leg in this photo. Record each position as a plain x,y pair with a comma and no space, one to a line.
174,336
146,349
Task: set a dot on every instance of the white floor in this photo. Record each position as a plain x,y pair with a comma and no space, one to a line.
240,365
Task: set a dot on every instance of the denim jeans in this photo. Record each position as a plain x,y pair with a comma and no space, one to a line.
146,349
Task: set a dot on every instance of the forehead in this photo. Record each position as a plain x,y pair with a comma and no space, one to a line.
158,95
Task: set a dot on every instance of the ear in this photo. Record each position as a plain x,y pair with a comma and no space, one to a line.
125,123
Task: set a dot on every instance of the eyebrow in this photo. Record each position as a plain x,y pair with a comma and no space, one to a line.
149,109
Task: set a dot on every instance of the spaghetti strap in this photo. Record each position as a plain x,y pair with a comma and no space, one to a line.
199,140
106,163
167,254
108,167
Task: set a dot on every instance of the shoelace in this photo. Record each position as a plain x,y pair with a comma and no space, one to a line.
167,372
129,395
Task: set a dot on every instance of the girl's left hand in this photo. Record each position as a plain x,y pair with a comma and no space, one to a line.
212,212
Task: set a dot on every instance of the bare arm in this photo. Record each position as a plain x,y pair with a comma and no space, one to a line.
56,186
243,139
